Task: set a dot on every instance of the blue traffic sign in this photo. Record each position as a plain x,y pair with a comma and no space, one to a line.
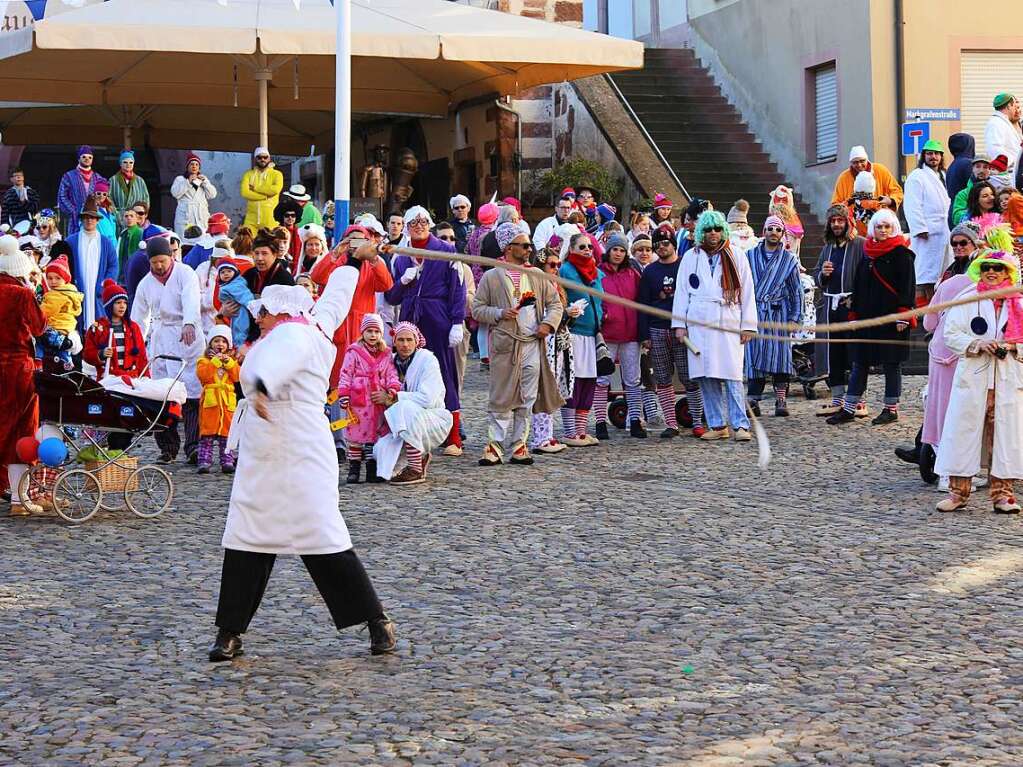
914,136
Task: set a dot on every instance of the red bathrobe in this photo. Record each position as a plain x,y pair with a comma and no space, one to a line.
373,278
21,320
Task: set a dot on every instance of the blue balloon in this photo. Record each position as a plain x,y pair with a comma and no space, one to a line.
53,451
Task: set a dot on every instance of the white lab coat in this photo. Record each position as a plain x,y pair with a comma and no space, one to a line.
193,203
698,299
162,311
1002,137
926,207
285,494
959,451
418,417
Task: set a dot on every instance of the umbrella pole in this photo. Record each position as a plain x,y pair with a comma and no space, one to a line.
342,114
262,78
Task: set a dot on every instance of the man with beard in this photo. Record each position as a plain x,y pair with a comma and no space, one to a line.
261,186
76,186
887,189
926,208
1003,139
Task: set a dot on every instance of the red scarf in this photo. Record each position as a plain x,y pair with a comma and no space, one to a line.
128,175
263,277
163,280
585,265
86,175
877,248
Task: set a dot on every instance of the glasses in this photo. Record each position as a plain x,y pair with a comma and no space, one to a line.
767,229
584,247
552,264
989,267
262,157
446,237
291,214
460,207
419,222
961,243
139,212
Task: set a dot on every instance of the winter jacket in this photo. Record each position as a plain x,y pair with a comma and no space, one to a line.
62,307
963,149
884,285
218,401
97,339
620,324
14,210
588,323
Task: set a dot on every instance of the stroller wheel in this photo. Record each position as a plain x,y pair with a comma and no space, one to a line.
927,458
148,491
682,414
77,495
618,412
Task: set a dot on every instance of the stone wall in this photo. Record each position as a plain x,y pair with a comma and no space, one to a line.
560,11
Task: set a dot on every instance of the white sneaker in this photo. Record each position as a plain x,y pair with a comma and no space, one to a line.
942,486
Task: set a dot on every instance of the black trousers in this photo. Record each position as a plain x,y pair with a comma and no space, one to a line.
170,442
341,579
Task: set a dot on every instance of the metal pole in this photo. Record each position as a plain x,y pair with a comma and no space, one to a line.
262,77
342,115
127,136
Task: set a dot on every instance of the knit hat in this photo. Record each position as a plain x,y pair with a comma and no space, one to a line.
774,221
507,232
567,192
218,223
836,211
85,149
738,214
1001,100
157,245
405,326
59,266
127,154
660,201
459,199
708,220
640,239
46,215
355,229
487,214
12,261
227,263
371,320
664,233
969,230
220,331
696,206
617,240
111,291
193,157
994,257
858,153
606,211
102,186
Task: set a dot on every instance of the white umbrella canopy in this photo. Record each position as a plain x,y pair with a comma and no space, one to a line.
408,56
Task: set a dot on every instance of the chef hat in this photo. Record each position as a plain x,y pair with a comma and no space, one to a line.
459,198
293,300
370,222
410,328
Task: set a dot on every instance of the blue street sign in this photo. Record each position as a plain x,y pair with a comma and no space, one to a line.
914,136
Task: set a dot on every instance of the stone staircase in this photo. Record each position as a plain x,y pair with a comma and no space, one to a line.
704,140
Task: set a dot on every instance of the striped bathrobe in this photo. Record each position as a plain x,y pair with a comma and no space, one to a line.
779,299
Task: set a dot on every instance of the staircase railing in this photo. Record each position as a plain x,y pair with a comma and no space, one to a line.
649,139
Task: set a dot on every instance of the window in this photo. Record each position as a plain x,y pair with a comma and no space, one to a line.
824,106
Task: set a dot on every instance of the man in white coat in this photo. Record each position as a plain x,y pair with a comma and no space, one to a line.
167,307
1003,139
926,207
193,191
714,289
287,503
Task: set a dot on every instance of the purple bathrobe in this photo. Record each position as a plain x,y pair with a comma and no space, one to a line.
435,302
71,196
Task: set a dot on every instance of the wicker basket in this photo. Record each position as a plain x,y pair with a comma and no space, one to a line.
113,478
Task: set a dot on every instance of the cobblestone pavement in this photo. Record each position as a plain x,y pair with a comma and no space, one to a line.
640,603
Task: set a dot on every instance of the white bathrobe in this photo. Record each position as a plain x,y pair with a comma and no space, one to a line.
162,311
418,417
193,203
926,207
1002,137
285,494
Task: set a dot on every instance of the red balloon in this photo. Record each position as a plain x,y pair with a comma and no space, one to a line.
27,449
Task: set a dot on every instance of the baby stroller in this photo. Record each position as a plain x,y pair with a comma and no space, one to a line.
74,405
803,354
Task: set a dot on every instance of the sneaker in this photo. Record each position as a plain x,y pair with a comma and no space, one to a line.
842,416
601,431
828,409
861,410
712,434
780,409
637,430
885,416
754,407
551,446
699,431
742,435
382,636
491,456
669,433
453,451
408,476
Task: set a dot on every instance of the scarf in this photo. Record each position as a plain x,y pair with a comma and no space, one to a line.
731,287
877,248
263,277
403,365
128,176
163,280
585,265
86,174
1014,327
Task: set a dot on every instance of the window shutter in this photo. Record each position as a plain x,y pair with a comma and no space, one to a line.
983,75
826,112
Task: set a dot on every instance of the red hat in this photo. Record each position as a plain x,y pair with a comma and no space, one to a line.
514,203
356,228
661,201
568,192
59,266
192,156
1000,164
218,223
111,292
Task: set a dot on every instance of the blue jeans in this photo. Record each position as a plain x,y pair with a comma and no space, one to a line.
718,395
858,383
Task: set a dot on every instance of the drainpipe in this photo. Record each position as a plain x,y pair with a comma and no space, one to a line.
900,76
518,144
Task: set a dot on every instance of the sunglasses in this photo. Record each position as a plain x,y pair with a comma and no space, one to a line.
139,212
583,247
446,237
989,267
720,229
523,245
552,264
460,207
961,243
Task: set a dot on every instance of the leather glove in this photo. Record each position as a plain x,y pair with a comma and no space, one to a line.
410,275
456,335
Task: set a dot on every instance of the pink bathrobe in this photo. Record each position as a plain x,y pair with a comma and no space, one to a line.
363,373
942,365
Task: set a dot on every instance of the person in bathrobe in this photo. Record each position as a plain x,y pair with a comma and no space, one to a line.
926,207
291,506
